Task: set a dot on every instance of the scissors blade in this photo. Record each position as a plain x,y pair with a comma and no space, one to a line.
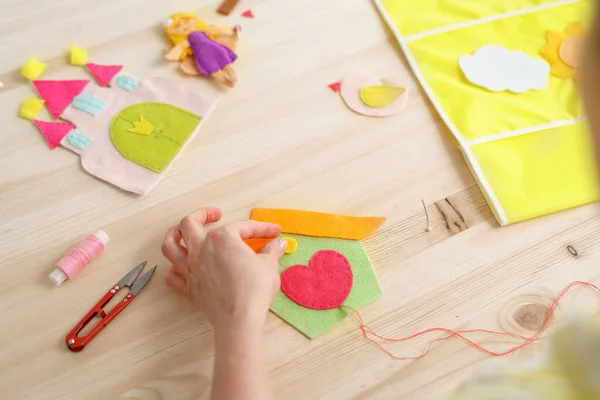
128,279
141,282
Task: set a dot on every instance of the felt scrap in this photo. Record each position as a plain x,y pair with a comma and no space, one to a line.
335,86
104,73
257,244
31,108
227,6
90,104
142,127
127,83
79,140
33,69
319,224
79,56
379,96
59,94
172,126
365,286
248,14
325,283
54,132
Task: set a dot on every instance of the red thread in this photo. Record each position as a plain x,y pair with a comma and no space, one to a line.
459,334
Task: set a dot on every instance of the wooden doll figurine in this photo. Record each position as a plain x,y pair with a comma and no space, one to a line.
192,37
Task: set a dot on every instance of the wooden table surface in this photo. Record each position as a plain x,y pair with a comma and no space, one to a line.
280,139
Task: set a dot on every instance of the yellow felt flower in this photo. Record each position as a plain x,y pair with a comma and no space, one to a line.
79,56
31,108
33,69
142,127
563,50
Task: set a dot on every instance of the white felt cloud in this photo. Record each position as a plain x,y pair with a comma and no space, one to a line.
497,68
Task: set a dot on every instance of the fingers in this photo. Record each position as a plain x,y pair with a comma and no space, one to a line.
254,229
207,215
275,248
172,248
192,226
176,281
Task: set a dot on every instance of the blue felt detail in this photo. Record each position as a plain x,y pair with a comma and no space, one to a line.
79,140
89,104
127,83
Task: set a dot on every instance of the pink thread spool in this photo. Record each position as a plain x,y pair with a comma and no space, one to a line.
78,257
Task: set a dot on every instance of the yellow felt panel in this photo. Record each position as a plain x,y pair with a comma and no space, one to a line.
33,69
318,224
31,108
380,96
79,56
541,172
477,112
435,13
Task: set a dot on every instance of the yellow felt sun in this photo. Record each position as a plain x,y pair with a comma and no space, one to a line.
563,50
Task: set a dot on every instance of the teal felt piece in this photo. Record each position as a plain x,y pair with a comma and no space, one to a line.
90,104
79,140
127,83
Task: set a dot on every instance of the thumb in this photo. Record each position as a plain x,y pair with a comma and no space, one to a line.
275,248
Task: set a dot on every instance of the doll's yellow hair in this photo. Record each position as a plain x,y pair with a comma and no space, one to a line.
175,39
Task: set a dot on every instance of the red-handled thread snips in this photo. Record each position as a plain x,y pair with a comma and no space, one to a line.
77,343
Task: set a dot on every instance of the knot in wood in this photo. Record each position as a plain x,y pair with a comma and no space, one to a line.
531,316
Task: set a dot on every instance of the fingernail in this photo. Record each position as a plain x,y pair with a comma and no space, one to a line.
282,244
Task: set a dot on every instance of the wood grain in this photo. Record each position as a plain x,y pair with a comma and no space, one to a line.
282,138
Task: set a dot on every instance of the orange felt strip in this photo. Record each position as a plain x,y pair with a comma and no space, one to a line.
312,223
257,244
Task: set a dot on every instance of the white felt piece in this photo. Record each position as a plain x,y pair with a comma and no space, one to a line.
497,68
350,92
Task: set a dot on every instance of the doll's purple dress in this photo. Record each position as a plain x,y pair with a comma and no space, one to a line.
210,56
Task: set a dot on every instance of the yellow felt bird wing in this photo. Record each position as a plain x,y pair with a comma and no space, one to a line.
379,96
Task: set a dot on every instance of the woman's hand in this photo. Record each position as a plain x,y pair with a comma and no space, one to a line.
233,286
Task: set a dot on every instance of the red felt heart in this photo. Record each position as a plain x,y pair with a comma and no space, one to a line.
322,285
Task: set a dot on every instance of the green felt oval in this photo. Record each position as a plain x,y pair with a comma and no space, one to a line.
155,151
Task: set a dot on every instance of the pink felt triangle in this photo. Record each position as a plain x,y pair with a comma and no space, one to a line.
54,131
59,94
104,73
248,14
